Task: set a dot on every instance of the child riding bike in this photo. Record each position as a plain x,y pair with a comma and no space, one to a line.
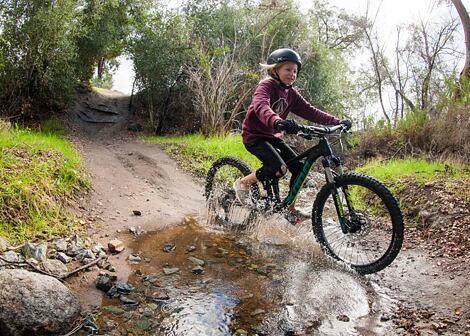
266,122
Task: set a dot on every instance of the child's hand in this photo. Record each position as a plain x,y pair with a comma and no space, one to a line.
289,126
347,123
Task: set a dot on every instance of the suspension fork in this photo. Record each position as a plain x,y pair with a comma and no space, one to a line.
344,223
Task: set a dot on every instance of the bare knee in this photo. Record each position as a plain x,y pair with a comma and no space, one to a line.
282,171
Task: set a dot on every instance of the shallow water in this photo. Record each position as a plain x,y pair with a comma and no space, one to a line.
270,280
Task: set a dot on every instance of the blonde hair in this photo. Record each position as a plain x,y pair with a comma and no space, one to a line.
269,67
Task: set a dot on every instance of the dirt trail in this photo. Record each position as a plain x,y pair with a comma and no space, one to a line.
135,184
130,176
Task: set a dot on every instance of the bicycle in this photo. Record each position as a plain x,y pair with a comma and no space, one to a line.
368,229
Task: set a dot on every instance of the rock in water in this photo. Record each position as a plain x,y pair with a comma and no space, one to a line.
35,304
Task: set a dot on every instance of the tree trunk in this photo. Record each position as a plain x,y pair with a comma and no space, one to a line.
465,19
101,64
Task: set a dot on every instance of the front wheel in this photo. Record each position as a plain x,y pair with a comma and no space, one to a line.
370,233
223,208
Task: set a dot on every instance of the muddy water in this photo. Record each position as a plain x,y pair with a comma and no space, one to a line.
270,280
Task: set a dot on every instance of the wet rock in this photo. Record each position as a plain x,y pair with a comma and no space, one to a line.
105,282
196,261
134,259
137,212
170,270
63,257
4,245
35,303
197,270
169,247
54,267
159,295
120,288
342,318
128,301
38,252
116,246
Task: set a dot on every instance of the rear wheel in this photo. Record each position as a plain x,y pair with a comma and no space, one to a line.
223,208
372,234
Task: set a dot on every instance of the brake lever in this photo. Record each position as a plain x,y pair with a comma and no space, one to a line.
305,136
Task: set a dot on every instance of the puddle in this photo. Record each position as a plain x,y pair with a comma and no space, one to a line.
272,280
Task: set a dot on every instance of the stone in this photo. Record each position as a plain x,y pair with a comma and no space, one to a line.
198,270
159,295
38,252
35,304
10,256
4,245
54,267
170,270
116,246
97,249
60,245
169,247
104,282
134,259
128,301
196,261
74,250
63,257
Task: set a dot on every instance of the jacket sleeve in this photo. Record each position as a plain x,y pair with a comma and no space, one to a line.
304,109
261,104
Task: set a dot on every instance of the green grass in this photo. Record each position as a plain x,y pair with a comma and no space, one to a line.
39,173
196,153
420,169
399,174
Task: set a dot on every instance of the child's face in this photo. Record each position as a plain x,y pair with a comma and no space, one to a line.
287,72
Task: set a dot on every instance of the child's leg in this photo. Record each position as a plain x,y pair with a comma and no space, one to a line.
273,165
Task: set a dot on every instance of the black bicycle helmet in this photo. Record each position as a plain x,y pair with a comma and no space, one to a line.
283,55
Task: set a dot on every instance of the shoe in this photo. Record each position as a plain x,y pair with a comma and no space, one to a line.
242,195
296,216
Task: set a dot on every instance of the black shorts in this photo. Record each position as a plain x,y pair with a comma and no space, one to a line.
273,153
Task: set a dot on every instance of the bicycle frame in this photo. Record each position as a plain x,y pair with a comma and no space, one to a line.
322,149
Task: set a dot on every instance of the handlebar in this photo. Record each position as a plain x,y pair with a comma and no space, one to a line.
316,131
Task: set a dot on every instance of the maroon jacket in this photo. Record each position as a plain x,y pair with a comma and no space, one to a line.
270,103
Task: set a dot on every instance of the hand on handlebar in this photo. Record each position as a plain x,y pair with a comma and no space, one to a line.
289,126
346,123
